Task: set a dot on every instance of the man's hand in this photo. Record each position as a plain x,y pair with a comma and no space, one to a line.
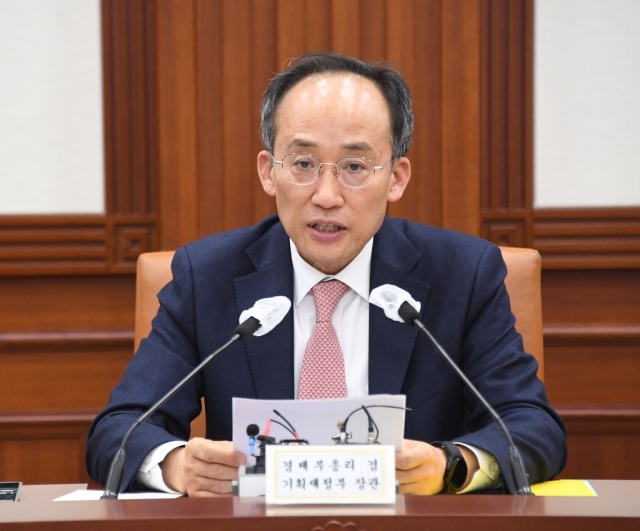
420,467
202,468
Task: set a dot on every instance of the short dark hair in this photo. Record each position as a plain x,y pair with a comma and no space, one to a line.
393,87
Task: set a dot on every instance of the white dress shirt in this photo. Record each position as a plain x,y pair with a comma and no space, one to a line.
351,323
350,318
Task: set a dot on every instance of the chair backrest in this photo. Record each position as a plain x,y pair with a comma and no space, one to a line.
153,273
523,285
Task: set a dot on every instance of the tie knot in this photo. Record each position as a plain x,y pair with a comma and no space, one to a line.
326,296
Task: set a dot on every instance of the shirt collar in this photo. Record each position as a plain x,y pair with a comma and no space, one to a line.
355,274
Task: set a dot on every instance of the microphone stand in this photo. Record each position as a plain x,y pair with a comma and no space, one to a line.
411,316
116,471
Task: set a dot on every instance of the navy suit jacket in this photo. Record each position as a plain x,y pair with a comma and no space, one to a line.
458,279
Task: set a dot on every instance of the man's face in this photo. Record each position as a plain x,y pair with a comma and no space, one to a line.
331,117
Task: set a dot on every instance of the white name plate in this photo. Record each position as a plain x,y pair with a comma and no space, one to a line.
347,473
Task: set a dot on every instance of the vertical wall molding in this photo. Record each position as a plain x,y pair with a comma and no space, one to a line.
506,200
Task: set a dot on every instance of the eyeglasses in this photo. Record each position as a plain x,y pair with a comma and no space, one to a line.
353,172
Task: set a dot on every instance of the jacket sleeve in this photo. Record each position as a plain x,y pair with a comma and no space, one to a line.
493,357
167,355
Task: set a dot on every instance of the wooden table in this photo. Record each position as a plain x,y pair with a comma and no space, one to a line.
616,508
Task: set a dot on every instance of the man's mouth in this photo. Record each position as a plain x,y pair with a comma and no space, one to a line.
326,227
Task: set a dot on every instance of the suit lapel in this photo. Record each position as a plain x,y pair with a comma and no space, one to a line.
270,356
391,343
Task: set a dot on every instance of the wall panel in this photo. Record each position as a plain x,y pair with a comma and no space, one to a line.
177,112
604,238
44,449
293,18
602,444
318,25
373,31
66,304
593,369
346,27
592,298
505,194
461,93
237,54
210,205
239,166
400,51
264,67
70,374
426,154
64,344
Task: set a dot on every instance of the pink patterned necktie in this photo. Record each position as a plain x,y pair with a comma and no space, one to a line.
322,373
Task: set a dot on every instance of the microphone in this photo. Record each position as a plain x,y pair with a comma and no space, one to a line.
400,306
265,314
252,431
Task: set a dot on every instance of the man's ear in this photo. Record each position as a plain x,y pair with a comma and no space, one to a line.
265,172
399,178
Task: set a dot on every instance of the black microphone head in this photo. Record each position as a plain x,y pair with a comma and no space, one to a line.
247,328
253,430
408,313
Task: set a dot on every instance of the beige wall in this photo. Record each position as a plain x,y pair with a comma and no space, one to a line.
51,126
587,103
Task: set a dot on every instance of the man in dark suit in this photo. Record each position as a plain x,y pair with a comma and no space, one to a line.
331,225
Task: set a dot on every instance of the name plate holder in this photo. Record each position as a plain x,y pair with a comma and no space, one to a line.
340,474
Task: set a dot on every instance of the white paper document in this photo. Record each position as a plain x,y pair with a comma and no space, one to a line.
92,495
317,420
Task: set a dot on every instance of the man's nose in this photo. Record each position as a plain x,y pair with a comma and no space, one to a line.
328,192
